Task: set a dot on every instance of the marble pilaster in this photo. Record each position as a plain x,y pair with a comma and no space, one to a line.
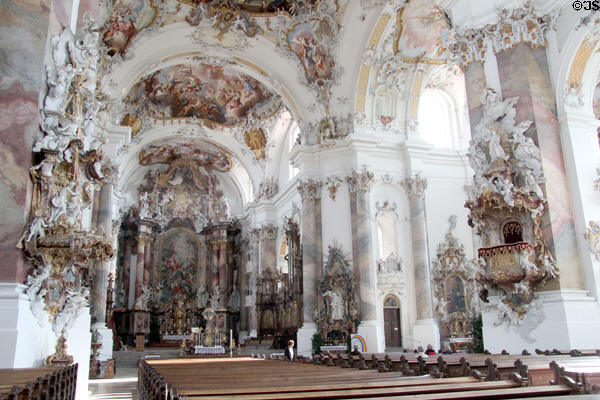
126,272
312,246
415,187
359,184
268,247
139,267
104,224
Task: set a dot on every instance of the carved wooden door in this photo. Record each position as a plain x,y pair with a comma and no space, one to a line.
391,320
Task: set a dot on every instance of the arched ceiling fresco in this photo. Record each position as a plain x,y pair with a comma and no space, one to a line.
205,154
218,95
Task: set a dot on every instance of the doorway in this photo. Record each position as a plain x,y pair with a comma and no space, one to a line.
391,322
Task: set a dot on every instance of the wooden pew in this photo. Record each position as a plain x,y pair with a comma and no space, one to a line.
33,383
272,379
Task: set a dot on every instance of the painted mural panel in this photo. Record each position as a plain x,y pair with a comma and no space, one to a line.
308,41
423,28
215,94
128,17
179,255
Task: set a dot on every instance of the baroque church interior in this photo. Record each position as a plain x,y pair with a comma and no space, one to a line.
405,172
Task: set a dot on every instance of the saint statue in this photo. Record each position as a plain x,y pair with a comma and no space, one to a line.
335,305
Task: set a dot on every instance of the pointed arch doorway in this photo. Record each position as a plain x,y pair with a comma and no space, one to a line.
391,321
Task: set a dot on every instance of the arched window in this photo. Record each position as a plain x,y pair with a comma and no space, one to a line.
386,232
385,103
436,120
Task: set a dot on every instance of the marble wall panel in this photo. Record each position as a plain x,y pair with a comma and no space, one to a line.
23,32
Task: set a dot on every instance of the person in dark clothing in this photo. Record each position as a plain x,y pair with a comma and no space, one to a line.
289,351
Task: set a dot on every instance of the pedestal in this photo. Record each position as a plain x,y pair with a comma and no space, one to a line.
79,344
23,342
305,335
105,352
568,319
426,331
373,335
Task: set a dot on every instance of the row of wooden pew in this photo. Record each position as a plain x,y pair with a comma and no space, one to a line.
50,383
580,370
265,378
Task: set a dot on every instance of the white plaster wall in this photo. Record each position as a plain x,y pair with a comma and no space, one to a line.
336,220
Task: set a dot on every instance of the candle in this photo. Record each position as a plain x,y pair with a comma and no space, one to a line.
231,343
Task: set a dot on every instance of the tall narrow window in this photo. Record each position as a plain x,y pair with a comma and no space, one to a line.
436,124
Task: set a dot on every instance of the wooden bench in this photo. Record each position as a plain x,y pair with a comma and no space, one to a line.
254,379
37,383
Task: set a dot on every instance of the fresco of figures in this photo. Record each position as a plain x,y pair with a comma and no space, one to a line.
215,94
254,6
203,153
308,41
424,26
127,18
178,262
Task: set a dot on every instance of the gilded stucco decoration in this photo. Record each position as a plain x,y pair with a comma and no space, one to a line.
184,191
267,189
455,288
333,183
61,248
520,25
592,236
310,189
337,311
256,140
507,203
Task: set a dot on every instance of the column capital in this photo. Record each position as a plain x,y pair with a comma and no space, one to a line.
267,231
359,181
415,186
310,189
519,25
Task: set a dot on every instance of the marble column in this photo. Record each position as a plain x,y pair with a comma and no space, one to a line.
359,184
312,253
126,272
252,278
426,330
524,74
139,267
268,247
148,261
104,226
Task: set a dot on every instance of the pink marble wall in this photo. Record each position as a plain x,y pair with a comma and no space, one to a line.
524,73
22,43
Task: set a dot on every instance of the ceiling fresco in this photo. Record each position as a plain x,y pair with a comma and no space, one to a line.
203,153
261,7
422,28
127,19
217,95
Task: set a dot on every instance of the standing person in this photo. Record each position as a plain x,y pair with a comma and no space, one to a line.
289,351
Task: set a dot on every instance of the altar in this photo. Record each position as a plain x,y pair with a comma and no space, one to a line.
209,350
174,338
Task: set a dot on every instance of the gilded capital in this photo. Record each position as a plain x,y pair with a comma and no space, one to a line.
360,181
415,186
310,189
